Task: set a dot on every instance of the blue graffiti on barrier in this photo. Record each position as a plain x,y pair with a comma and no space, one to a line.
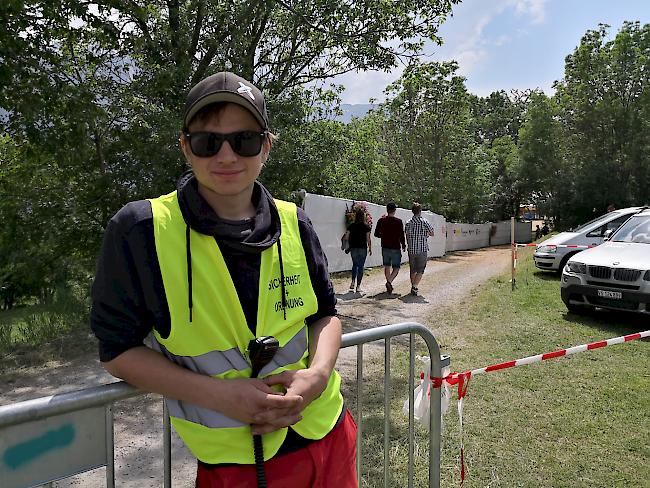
27,451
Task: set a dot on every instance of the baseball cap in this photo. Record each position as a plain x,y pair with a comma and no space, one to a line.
226,87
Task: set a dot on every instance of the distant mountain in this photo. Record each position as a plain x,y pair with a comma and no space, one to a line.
357,110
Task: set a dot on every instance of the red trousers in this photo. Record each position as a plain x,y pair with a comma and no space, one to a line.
329,462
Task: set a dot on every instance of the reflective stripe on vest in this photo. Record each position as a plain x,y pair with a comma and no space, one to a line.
215,342
218,362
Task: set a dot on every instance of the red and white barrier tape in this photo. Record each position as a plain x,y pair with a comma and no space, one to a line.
572,246
462,379
452,379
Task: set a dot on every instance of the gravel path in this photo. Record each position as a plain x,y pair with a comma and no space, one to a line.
446,283
138,427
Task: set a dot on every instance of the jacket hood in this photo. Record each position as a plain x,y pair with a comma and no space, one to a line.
251,235
261,232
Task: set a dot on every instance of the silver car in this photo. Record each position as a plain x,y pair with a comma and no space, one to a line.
553,253
614,275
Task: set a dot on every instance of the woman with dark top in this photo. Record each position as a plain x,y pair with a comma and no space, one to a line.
358,235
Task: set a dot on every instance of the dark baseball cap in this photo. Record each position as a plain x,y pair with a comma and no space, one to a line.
226,87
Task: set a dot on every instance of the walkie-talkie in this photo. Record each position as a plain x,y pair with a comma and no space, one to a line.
261,352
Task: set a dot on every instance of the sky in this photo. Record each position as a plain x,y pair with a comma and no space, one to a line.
508,44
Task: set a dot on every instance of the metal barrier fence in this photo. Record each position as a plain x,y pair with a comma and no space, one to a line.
72,433
386,332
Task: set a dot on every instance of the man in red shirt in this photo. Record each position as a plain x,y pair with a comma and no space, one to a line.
391,231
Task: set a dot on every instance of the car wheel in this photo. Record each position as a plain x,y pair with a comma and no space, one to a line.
563,263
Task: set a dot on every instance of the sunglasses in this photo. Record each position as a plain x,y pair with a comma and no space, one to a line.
246,143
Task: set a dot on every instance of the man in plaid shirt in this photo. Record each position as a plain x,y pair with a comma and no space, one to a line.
417,232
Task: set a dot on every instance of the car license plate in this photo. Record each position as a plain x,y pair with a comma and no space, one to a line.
617,295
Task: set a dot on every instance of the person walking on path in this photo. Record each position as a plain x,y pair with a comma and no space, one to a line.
417,232
214,273
391,231
358,235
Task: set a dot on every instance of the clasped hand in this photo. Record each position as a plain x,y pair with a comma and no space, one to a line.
254,402
307,384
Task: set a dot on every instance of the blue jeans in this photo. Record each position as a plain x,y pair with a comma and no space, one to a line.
358,255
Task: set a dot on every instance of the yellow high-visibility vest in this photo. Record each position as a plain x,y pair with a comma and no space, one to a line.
215,342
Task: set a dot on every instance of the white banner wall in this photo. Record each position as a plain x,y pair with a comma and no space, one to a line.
327,214
502,235
467,236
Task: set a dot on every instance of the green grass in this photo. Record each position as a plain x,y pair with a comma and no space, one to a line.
35,334
581,421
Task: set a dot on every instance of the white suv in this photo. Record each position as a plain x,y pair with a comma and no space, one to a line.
614,275
551,255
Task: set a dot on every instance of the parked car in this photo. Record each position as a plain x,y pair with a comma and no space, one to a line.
614,275
551,258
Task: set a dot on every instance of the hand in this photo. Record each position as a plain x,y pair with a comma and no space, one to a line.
252,401
370,252
307,383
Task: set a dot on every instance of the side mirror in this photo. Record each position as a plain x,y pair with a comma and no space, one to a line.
607,234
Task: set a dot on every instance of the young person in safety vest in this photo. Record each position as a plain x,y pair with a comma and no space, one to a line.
208,268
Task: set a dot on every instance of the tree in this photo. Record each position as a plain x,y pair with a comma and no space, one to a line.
38,236
427,139
507,190
605,101
547,177
93,90
361,173
498,115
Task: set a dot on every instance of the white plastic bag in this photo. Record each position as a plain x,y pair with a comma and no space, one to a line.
422,392
345,243
445,397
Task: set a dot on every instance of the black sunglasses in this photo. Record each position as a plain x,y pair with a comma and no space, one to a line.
246,143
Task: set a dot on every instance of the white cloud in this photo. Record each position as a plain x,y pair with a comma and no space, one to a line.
502,40
533,8
360,87
468,46
469,59
475,35
465,41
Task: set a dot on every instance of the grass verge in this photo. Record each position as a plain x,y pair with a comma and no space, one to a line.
581,421
36,334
